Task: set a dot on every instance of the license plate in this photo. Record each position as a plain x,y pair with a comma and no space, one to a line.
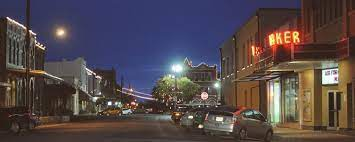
219,118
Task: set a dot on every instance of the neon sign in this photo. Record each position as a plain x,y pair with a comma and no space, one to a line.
286,37
256,51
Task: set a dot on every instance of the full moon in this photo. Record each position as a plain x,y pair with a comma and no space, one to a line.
60,32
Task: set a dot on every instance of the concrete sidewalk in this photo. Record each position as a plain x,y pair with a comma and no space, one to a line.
282,134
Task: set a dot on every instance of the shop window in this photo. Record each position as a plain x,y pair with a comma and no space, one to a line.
291,98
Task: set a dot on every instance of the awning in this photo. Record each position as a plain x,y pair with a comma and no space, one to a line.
59,89
262,75
84,96
36,73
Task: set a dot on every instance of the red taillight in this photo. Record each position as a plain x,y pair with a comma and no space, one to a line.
236,121
206,118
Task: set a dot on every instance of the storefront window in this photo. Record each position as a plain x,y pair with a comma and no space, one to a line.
274,100
291,96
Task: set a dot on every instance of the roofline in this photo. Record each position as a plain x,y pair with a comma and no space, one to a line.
256,13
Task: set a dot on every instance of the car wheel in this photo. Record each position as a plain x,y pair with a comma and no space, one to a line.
268,136
15,127
242,135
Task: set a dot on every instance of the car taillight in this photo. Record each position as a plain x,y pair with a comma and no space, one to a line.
236,121
206,118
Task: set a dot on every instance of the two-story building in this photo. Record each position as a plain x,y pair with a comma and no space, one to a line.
205,76
300,71
76,74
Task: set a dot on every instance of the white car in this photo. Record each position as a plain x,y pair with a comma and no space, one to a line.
126,111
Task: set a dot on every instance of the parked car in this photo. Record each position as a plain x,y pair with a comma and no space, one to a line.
126,111
240,122
194,118
139,111
17,118
178,113
110,112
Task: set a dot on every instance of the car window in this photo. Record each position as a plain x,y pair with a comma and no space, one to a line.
248,114
258,116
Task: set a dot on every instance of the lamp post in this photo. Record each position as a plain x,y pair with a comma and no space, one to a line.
217,86
176,69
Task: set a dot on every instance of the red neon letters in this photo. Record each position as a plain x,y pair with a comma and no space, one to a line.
256,51
286,37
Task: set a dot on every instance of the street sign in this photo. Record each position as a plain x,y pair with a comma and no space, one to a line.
204,95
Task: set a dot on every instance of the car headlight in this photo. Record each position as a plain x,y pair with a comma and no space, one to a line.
177,114
190,117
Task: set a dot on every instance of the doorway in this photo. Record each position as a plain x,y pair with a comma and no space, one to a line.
334,106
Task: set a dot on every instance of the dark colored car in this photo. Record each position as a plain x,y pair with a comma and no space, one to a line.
178,113
194,118
17,118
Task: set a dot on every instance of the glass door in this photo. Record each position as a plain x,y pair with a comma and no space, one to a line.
334,106
291,108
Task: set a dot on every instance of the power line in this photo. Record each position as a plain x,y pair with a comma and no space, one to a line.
131,94
138,92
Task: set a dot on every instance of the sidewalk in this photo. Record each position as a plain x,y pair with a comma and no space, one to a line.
290,133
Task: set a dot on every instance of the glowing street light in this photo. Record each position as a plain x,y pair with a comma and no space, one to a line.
217,85
176,68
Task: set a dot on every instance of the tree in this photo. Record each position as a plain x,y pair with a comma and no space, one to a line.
164,91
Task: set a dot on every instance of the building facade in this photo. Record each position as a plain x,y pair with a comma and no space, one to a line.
13,66
205,76
227,53
249,91
108,83
76,74
299,71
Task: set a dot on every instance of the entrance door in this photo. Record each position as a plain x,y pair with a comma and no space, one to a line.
334,106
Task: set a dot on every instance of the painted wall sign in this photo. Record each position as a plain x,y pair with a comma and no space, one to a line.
286,37
330,76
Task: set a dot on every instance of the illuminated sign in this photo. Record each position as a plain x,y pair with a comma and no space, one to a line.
256,51
287,37
330,76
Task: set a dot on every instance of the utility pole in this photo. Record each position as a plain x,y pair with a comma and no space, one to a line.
28,40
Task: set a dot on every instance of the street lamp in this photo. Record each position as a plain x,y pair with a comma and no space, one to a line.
176,68
217,85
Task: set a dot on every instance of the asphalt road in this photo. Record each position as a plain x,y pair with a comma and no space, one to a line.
142,128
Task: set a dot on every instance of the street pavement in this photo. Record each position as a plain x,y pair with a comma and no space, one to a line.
147,128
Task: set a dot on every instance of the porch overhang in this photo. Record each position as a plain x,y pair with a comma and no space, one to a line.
260,75
275,61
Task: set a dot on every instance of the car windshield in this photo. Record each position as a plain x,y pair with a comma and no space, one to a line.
177,70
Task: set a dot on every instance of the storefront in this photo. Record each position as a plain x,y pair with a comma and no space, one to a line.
282,95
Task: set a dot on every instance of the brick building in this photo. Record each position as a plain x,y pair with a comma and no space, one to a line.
206,77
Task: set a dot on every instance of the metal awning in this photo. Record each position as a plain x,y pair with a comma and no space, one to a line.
262,75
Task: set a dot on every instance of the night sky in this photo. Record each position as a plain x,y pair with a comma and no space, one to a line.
140,38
